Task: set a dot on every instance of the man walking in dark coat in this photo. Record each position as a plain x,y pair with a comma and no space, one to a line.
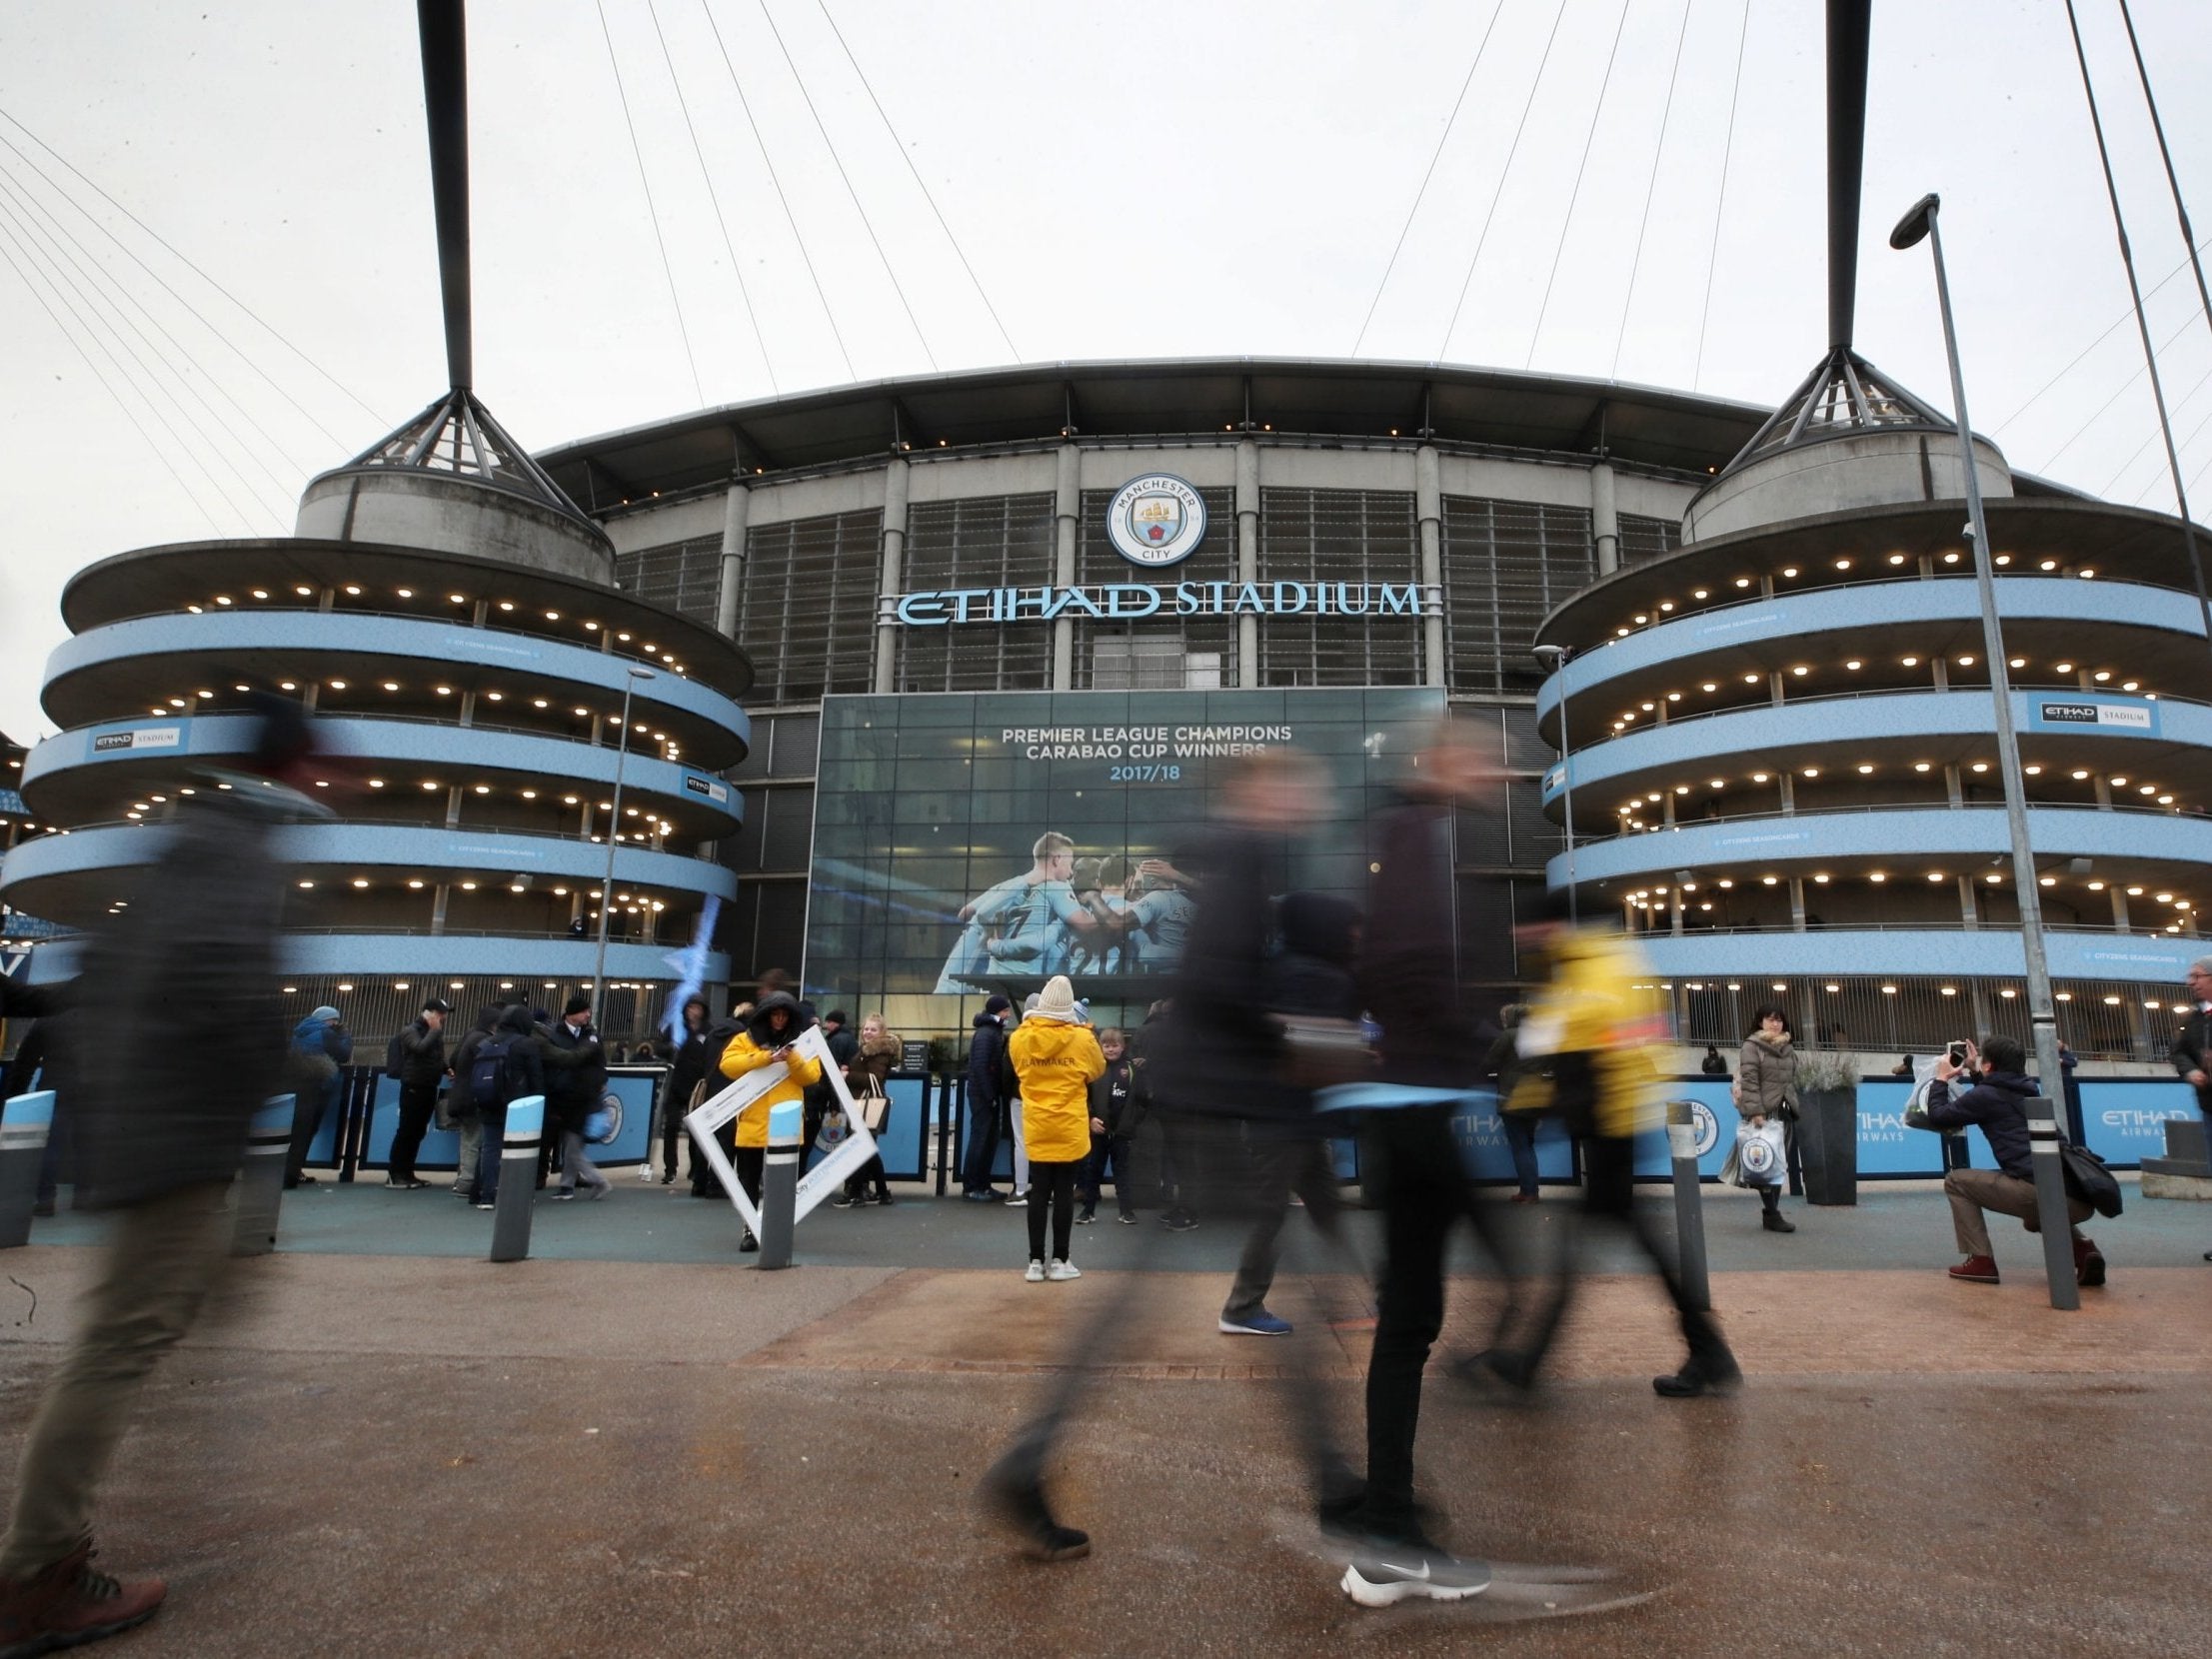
160,1134
986,1065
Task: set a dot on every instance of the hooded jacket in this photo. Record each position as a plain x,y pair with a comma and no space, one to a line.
692,1057
1767,1077
1408,976
1056,1061
755,1047
1586,1038
461,1099
1994,1104
987,1061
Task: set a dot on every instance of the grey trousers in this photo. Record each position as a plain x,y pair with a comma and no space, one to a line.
164,1258
1973,1190
472,1147
576,1164
1280,1168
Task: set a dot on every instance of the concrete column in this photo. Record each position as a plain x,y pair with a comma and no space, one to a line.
1789,793
1604,518
889,575
1067,518
453,805
1775,687
1797,903
2104,796
1942,673
1428,510
1969,906
468,708
2119,907
736,512
438,908
1248,558
1953,787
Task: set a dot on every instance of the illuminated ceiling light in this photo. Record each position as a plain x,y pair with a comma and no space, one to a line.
1876,877
222,599
2017,663
1666,605
1769,881
624,638
506,605
1621,633
1967,661
337,684
304,590
391,685
1909,661
1936,876
1703,593
405,593
1726,881
2102,676
568,800
416,883
2086,575
360,880
484,789
552,615
1950,990
1889,991
1801,670
496,696
1641,618
1813,772
1866,769
2130,685
376,783
305,883
1759,777
2063,668
2165,800
1832,987
443,691
2135,893
2033,771
529,795
1921,766
1821,879
1790,571
1709,685
2048,565
353,589
176,703
1752,680
1980,766
1681,788
468,886
203,694
2147,788
1720,783
1854,665
261,592
1897,559
2096,886
2163,898
197,611
1671,696
1998,880
430,784
541,703
1843,564
2004,558
1950,559
1645,707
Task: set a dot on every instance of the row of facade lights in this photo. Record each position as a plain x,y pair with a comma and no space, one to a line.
140,809
463,985
630,903
507,607
642,728
1853,665
2007,992
1869,769
1791,573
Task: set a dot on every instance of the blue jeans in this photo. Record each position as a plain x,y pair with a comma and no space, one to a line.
489,1153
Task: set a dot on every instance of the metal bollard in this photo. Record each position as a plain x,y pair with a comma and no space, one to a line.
517,1179
25,1123
780,1185
2050,1205
1690,1206
261,1180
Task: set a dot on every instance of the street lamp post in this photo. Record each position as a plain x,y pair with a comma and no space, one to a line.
2050,1184
614,819
1554,659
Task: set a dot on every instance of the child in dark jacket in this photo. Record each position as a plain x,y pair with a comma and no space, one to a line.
1119,1101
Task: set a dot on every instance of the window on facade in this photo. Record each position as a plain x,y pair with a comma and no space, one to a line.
1349,536
807,610
986,542
1506,564
1642,538
683,576
1203,647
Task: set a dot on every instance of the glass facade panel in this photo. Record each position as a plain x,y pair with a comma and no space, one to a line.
1351,536
807,614
1506,564
981,541
970,844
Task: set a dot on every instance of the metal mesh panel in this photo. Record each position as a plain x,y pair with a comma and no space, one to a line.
1506,565
1355,535
1642,538
807,614
686,575
986,542
1162,652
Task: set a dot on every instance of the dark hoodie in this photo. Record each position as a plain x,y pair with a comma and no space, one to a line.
525,1066
459,1103
987,1064
1995,1104
1314,974
692,1058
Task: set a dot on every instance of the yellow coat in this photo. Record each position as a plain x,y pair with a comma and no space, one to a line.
1056,1061
744,1055
1601,1000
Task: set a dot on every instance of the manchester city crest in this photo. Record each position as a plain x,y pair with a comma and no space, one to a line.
1156,520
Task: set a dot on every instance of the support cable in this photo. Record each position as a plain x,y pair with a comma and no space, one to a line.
866,224
2165,155
653,213
1650,189
924,189
31,238
108,386
1720,205
267,327
1436,156
1490,215
2143,327
2194,432
1575,195
90,268
714,196
774,177
2098,413
2116,326
2136,455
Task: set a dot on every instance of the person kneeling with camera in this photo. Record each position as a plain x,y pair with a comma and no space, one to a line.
1989,1089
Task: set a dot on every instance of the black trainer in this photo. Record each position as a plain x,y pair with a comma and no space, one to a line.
1719,1375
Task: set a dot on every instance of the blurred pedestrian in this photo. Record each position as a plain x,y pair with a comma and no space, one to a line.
322,1048
1502,1067
462,1105
161,1133
506,1065
573,1095
422,1053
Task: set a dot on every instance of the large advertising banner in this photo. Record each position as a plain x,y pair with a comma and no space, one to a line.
967,845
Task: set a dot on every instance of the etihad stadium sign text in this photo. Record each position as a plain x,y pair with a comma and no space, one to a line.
1130,601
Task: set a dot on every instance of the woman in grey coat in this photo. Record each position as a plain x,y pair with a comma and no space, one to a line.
1767,1087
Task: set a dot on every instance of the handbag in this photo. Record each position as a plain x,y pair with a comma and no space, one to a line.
2088,1179
875,1107
1320,1052
1759,1154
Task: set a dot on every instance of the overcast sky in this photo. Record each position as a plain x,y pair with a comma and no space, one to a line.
1142,179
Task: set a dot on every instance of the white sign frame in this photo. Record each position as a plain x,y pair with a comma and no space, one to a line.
815,1183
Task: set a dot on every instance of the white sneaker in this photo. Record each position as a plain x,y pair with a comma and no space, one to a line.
1036,1275
1388,1575
1060,1272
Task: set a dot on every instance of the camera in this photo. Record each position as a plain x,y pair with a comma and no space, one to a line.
1956,1054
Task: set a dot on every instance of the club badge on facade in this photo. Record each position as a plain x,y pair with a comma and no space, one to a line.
1156,520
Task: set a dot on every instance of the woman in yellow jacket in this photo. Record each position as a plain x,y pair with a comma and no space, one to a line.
1055,1058
766,1040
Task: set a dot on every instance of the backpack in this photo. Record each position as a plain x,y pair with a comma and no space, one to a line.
488,1072
395,1054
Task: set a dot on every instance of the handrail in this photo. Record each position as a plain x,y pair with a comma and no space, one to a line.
631,844
1774,815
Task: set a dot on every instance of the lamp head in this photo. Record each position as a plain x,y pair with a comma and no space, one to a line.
1913,228
1549,656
